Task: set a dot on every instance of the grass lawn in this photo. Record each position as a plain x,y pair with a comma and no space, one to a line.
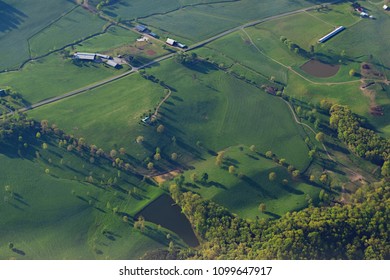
60,216
74,26
243,195
19,20
54,75
110,115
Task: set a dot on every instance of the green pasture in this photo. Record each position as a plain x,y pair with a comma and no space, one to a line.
58,215
19,20
54,75
188,17
243,191
114,37
248,55
220,111
72,27
109,115
206,105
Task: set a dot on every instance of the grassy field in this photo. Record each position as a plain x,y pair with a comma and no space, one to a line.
206,105
74,26
114,37
109,115
244,195
54,75
56,214
20,21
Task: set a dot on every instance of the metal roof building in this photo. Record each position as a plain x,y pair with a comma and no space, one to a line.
331,34
141,28
85,56
170,42
111,63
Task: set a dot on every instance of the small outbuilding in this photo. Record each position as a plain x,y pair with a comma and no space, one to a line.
385,7
112,63
141,28
153,35
171,42
84,56
180,45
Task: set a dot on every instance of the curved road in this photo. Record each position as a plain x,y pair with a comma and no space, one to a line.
135,69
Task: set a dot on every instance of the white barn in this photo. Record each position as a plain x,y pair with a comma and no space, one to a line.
170,42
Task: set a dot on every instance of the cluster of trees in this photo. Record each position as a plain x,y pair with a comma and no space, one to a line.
294,47
103,3
362,141
354,231
185,58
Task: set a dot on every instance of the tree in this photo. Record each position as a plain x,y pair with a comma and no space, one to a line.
385,171
160,128
320,137
232,169
252,148
296,173
44,146
139,139
122,151
352,72
262,207
312,153
150,165
312,178
323,178
194,177
174,156
47,170
282,161
269,154
113,153
219,158
38,135
272,176
285,182
157,156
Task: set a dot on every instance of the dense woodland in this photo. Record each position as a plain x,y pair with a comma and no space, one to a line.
353,231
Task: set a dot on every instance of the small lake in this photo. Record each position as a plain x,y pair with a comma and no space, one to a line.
320,69
163,211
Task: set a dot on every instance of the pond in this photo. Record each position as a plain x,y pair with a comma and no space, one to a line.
320,69
163,211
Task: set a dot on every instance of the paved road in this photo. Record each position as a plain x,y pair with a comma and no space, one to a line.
135,69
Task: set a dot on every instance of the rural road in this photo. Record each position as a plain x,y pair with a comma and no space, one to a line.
136,69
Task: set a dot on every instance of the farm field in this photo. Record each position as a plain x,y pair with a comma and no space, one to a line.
202,95
65,31
243,191
253,141
95,119
45,78
56,214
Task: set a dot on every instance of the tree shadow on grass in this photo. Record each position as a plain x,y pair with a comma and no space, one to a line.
10,17
18,251
257,186
273,215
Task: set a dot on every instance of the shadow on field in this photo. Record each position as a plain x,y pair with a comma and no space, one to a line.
18,251
10,17
273,215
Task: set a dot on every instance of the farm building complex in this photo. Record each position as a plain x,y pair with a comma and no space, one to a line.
331,34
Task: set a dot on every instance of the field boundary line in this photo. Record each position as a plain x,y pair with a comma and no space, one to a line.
48,25
320,19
